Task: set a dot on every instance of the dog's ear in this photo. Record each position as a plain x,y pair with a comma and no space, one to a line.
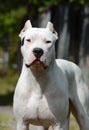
26,26
51,28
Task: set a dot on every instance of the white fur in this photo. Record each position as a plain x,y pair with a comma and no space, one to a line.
45,96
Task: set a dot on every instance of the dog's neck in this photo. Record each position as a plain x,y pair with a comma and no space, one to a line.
37,72
37,79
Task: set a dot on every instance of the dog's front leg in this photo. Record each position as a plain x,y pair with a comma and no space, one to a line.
22,125
58,127
77,108
80,115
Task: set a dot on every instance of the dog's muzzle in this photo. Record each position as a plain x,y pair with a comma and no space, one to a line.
38,52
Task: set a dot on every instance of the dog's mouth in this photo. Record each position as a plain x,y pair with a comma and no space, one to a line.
37,63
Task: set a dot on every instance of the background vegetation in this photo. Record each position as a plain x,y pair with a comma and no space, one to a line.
14,14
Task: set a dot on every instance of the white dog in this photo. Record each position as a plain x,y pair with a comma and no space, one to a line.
48,89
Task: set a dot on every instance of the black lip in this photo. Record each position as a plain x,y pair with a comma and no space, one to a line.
29,65
43,65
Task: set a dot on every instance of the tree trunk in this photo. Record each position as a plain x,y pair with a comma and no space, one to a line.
75,28
84,49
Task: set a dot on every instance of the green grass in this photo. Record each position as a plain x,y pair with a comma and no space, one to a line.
6,121
4,128
4,117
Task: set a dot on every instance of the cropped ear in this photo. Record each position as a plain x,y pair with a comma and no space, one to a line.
26,26
51,28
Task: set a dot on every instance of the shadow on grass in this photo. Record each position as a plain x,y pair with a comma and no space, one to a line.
6,99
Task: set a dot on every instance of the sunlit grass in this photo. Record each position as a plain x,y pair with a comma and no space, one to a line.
73,123
4,117
6,121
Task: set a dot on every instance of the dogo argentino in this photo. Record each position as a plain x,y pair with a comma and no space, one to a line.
48,89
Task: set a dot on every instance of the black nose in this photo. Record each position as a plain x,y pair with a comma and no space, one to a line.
38,52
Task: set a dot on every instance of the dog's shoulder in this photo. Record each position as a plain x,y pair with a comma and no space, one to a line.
64,63
67,66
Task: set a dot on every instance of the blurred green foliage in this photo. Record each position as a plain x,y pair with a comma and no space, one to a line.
12,12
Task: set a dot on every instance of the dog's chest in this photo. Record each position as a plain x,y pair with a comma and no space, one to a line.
38,111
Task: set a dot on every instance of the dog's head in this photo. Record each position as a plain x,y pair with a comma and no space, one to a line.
37,45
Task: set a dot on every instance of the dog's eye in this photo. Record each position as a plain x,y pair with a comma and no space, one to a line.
28,40
48,41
